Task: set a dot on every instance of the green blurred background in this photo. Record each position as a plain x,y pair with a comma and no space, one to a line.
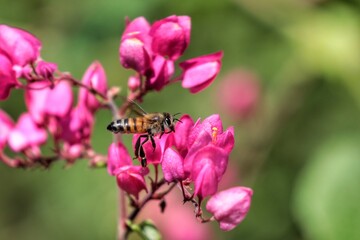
300,151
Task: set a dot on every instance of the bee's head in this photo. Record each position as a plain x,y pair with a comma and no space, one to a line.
169,121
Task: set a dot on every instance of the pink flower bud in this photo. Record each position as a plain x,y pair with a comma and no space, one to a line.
22,47
46,69
134,83
171,36
163,70
95,78
172,166
72,152
208,167
118,156
135,47
42,101
6,125
7,76
199,73
239,94
26,134
131,179
230,206
133,54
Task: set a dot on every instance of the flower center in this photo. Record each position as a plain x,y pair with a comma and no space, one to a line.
214,134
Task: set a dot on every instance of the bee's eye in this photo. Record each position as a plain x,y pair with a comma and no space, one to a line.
168,121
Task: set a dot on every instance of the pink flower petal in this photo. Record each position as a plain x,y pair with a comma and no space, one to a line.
59,100
46,69
200,72
134,54
230,207
163,69
26,134
7,76
171,36
172,166
95,78
131,179
6,125
22,47
181,135
118,156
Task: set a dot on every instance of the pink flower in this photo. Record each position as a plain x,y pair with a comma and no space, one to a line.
6,125
239,94
171,36
46,69
230,206
95,78
163,70
77,126
118,156
199,73
7,76
42,101
131,179
26,134
135,47
22,47
213,126
173,166
209,165
207,132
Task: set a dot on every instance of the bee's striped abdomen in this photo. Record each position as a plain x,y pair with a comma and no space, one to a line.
128,125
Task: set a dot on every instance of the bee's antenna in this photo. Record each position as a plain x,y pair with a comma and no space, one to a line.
176,114
175,119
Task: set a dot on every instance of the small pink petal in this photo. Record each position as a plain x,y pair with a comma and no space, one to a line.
26,134
46,69
7,76
118,156
181,135
205,181
134,83
200,72
163,69
218,156
230,206
172,166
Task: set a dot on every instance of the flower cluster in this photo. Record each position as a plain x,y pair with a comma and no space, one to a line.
193,157
49,101
151,50
196,153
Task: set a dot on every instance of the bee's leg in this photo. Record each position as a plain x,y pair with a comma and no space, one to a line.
142,152
137,145
152,142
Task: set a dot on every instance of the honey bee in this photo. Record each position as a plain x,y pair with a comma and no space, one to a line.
150,124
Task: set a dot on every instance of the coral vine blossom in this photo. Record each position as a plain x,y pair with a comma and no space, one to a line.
193,155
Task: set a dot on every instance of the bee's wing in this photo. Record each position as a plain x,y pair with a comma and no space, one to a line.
135,108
